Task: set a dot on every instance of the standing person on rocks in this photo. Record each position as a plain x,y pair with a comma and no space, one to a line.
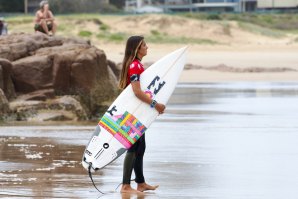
136,49
44,19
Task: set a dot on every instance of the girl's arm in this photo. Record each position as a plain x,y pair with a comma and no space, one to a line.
136,87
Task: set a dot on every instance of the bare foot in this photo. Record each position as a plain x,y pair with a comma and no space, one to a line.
126,188
146,187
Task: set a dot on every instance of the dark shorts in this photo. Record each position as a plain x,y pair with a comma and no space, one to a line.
39,28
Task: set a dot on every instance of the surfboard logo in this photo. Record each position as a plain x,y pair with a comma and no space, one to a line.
125,128
88,153
112,110
156,87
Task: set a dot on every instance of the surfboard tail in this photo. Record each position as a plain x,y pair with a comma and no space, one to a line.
104,155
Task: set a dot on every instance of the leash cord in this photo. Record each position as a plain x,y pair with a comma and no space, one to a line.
122,183
90,175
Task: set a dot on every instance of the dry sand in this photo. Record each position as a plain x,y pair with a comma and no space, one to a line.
239,57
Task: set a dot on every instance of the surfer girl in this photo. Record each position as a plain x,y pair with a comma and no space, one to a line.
135,50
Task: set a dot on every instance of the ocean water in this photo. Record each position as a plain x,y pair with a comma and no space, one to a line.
226,140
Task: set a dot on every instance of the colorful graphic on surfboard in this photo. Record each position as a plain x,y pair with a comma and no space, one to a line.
127,120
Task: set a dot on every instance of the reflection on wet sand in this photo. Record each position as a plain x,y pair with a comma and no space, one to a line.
34,165
215,141
130,196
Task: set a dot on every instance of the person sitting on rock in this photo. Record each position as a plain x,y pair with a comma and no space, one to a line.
44,19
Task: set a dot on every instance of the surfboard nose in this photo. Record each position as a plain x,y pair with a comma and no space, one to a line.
182,50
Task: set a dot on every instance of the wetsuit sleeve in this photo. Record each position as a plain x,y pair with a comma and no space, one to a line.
134,72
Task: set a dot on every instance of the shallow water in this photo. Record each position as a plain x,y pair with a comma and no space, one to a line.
236,140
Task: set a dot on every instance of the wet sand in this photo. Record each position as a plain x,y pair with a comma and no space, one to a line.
227,140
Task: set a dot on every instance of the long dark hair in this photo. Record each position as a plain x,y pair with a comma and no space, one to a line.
132,45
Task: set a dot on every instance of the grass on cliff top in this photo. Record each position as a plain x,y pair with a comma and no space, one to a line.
19,19
285,22
158,37
154,37
269,20
262,30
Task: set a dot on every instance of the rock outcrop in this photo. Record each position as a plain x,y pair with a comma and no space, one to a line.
6,83
36,67
4,106
63,108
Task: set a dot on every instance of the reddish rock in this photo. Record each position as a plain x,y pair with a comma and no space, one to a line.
6,83
44,67
4,106
40,95
116,68
20,45
32,73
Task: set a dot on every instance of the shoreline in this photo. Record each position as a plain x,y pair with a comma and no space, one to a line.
203,76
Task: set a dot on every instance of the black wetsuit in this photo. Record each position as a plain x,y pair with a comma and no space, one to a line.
134,160
135,154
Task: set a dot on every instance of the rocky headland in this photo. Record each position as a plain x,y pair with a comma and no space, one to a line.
45,78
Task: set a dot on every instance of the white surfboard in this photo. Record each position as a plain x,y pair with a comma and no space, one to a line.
127,118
